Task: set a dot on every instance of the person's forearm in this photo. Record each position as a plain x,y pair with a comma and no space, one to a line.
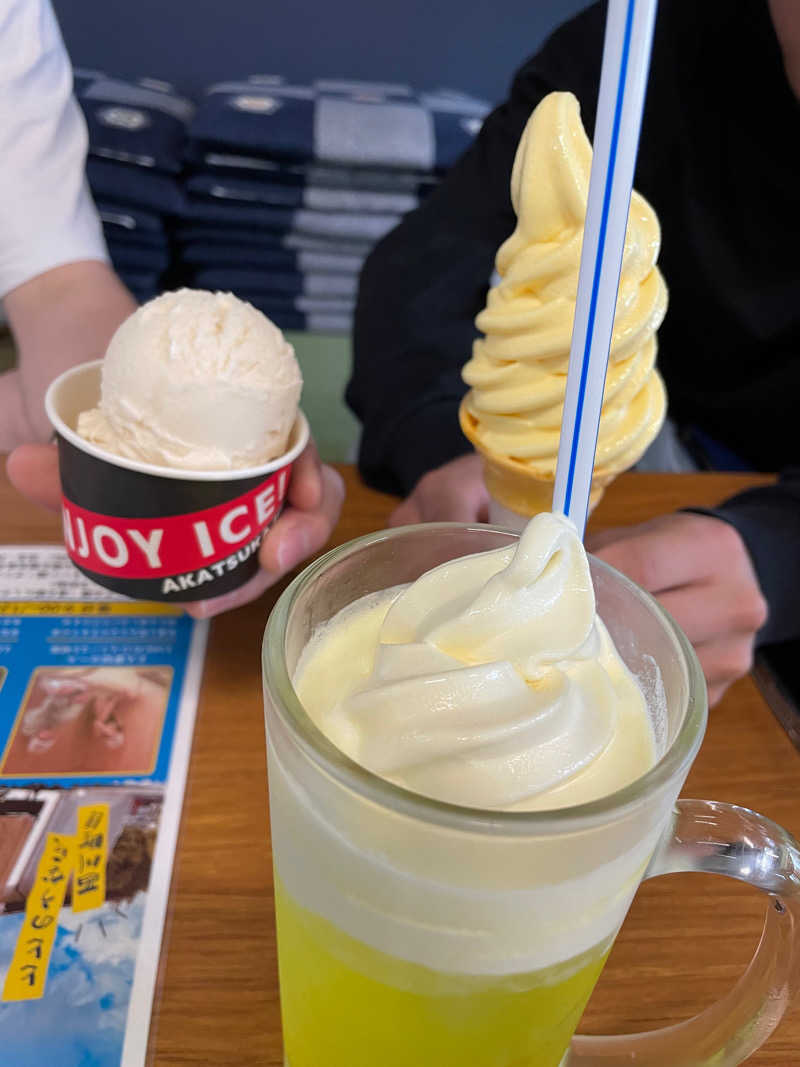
59,319
14,425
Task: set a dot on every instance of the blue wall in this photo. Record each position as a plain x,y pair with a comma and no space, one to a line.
470,46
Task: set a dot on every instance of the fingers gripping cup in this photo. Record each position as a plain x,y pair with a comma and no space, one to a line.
175,451
415,930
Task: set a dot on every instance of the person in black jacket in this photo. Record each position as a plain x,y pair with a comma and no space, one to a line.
719,159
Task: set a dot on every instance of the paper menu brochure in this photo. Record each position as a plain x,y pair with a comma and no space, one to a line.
98,696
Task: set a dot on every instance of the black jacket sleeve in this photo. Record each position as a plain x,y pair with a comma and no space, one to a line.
423,284
768,520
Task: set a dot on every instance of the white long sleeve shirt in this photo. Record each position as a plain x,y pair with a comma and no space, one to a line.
47,217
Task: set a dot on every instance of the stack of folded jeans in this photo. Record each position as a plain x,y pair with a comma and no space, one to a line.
289,186
137,135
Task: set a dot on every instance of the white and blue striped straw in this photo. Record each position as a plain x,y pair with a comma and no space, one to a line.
623,81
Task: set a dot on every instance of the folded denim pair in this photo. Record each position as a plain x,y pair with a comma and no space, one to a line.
252,257
142,123
237,190
132,255
284,220
303,313
244,237
136,187
363,124
286,283
312,175
146,226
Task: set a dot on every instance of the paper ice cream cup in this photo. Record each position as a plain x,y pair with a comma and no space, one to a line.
157,533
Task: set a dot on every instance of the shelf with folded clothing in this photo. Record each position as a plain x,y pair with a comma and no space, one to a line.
288,187
275,192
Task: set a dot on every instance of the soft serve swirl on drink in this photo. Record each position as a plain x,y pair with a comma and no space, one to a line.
488,682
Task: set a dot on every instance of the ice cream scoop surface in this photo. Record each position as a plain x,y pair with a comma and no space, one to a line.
490,681
196,380
517,372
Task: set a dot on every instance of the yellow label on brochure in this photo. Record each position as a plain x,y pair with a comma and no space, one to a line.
81,607
91,853
28,971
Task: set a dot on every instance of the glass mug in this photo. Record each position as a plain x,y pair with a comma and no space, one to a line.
415,933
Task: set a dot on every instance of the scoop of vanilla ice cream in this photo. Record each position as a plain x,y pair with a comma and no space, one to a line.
198,381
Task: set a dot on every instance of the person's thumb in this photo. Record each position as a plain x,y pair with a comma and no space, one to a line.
33,471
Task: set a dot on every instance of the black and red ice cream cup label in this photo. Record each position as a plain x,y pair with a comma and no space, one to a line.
161,538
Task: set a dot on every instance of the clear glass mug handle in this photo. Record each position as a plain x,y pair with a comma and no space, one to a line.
722,839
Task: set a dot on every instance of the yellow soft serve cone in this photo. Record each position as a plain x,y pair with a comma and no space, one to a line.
518,370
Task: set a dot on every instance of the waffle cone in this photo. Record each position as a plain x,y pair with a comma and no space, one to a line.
519,486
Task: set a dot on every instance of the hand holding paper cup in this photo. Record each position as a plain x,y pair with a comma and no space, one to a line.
175,452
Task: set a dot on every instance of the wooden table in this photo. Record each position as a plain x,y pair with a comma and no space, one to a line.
686,939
